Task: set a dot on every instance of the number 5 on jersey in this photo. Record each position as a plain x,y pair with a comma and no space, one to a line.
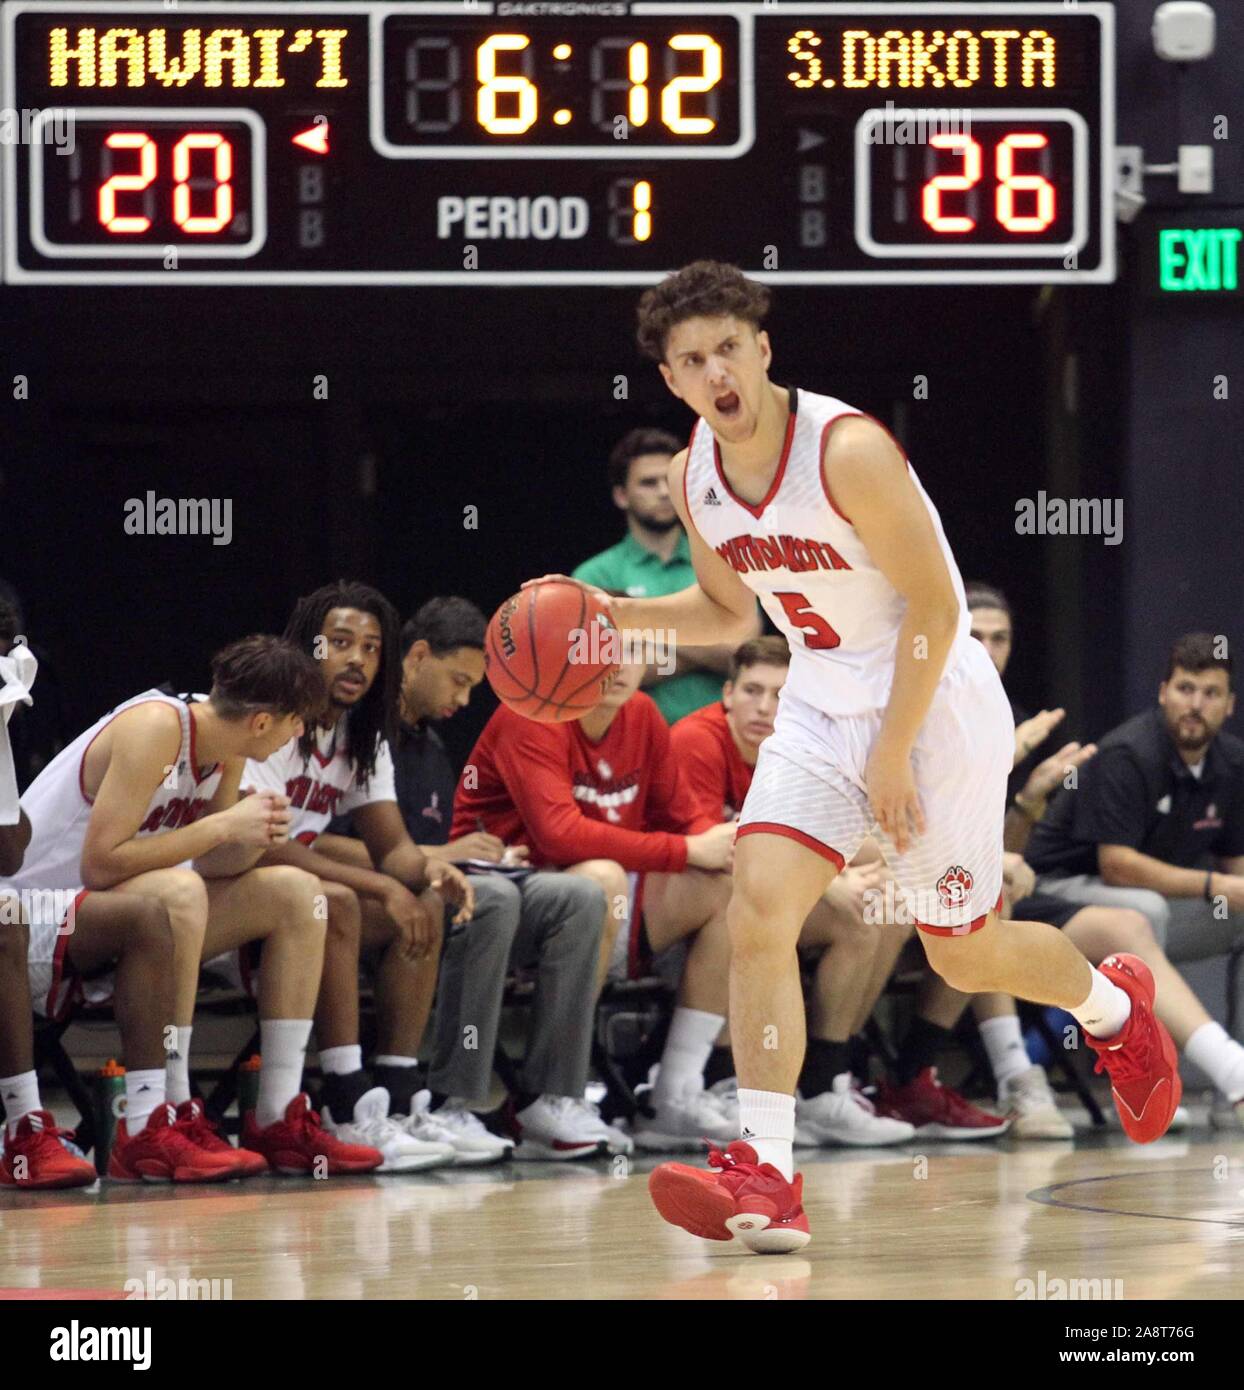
817,633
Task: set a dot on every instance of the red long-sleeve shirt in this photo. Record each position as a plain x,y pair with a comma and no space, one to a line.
548,786
710,763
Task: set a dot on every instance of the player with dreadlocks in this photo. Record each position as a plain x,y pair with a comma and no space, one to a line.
389,901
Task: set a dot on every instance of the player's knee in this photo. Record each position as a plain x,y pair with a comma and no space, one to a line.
344,915
184,896
149,929
966,963
610,878
1130,931
297,899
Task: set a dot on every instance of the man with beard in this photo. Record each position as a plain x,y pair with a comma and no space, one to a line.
1157,821
654,558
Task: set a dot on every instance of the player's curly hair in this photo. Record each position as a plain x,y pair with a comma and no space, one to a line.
709,289
374,717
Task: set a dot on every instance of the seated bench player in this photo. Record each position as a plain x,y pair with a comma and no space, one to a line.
601,796
123,811
33,1154
387,902
715,749
548,924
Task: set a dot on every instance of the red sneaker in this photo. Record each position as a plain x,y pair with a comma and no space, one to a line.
162,1152
742,1197
936,1111
296,1143
201,1131
34,1157
1142,1060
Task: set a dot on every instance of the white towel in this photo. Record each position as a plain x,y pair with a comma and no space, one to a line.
17,672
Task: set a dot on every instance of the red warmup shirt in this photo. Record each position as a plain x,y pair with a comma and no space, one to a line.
548,786
710,762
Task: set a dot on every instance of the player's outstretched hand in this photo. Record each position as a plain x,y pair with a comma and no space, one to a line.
892,794
454,886
1048,774
1033,732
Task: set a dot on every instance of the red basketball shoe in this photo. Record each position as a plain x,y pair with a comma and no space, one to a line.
299,1142
1141,1060
937,1111
205,1135
741,1197
162,1152
34,1157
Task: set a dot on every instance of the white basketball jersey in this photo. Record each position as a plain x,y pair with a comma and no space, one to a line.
807,565
325,784
59,808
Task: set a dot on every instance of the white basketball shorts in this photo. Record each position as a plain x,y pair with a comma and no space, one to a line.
809,786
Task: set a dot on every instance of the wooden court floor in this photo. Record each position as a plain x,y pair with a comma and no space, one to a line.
946,1221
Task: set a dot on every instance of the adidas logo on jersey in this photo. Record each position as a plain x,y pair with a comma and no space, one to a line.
711,499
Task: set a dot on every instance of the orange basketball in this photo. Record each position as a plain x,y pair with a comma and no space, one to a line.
543,652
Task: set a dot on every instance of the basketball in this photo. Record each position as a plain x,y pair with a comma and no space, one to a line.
543,653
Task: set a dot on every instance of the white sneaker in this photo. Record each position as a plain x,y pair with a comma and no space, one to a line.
726,1094
556,1128
682,1121
1180,1120
1029,1099
457,1125
616,1141
844,1115
403,1152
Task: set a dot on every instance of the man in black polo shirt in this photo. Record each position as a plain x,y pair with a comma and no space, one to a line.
1156,822
550,922
1160,809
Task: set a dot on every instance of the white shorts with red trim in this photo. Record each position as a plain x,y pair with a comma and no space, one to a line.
809,786
54,988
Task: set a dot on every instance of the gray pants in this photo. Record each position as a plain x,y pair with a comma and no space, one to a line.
550,921
1187,929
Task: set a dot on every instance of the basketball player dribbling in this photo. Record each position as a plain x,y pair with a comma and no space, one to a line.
893,723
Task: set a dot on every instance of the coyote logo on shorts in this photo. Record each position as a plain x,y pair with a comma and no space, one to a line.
954,886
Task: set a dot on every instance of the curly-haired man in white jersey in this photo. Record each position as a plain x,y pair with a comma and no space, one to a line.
892,723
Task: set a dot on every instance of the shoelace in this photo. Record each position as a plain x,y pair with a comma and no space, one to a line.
733,1173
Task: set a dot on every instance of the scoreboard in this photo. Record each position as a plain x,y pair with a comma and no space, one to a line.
555,142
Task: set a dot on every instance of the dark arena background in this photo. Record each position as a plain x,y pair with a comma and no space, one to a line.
385,392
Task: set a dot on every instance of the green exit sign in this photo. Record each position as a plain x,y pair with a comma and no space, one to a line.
1199,259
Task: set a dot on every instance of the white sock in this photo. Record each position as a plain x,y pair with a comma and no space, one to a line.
768,1121
21,1095
687,1048
177,1067
283,1049
1106,1009
341,1061
1220,1057
393,1059
144,1092
1005,1045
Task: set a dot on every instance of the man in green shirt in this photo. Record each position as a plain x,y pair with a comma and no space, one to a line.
654,559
